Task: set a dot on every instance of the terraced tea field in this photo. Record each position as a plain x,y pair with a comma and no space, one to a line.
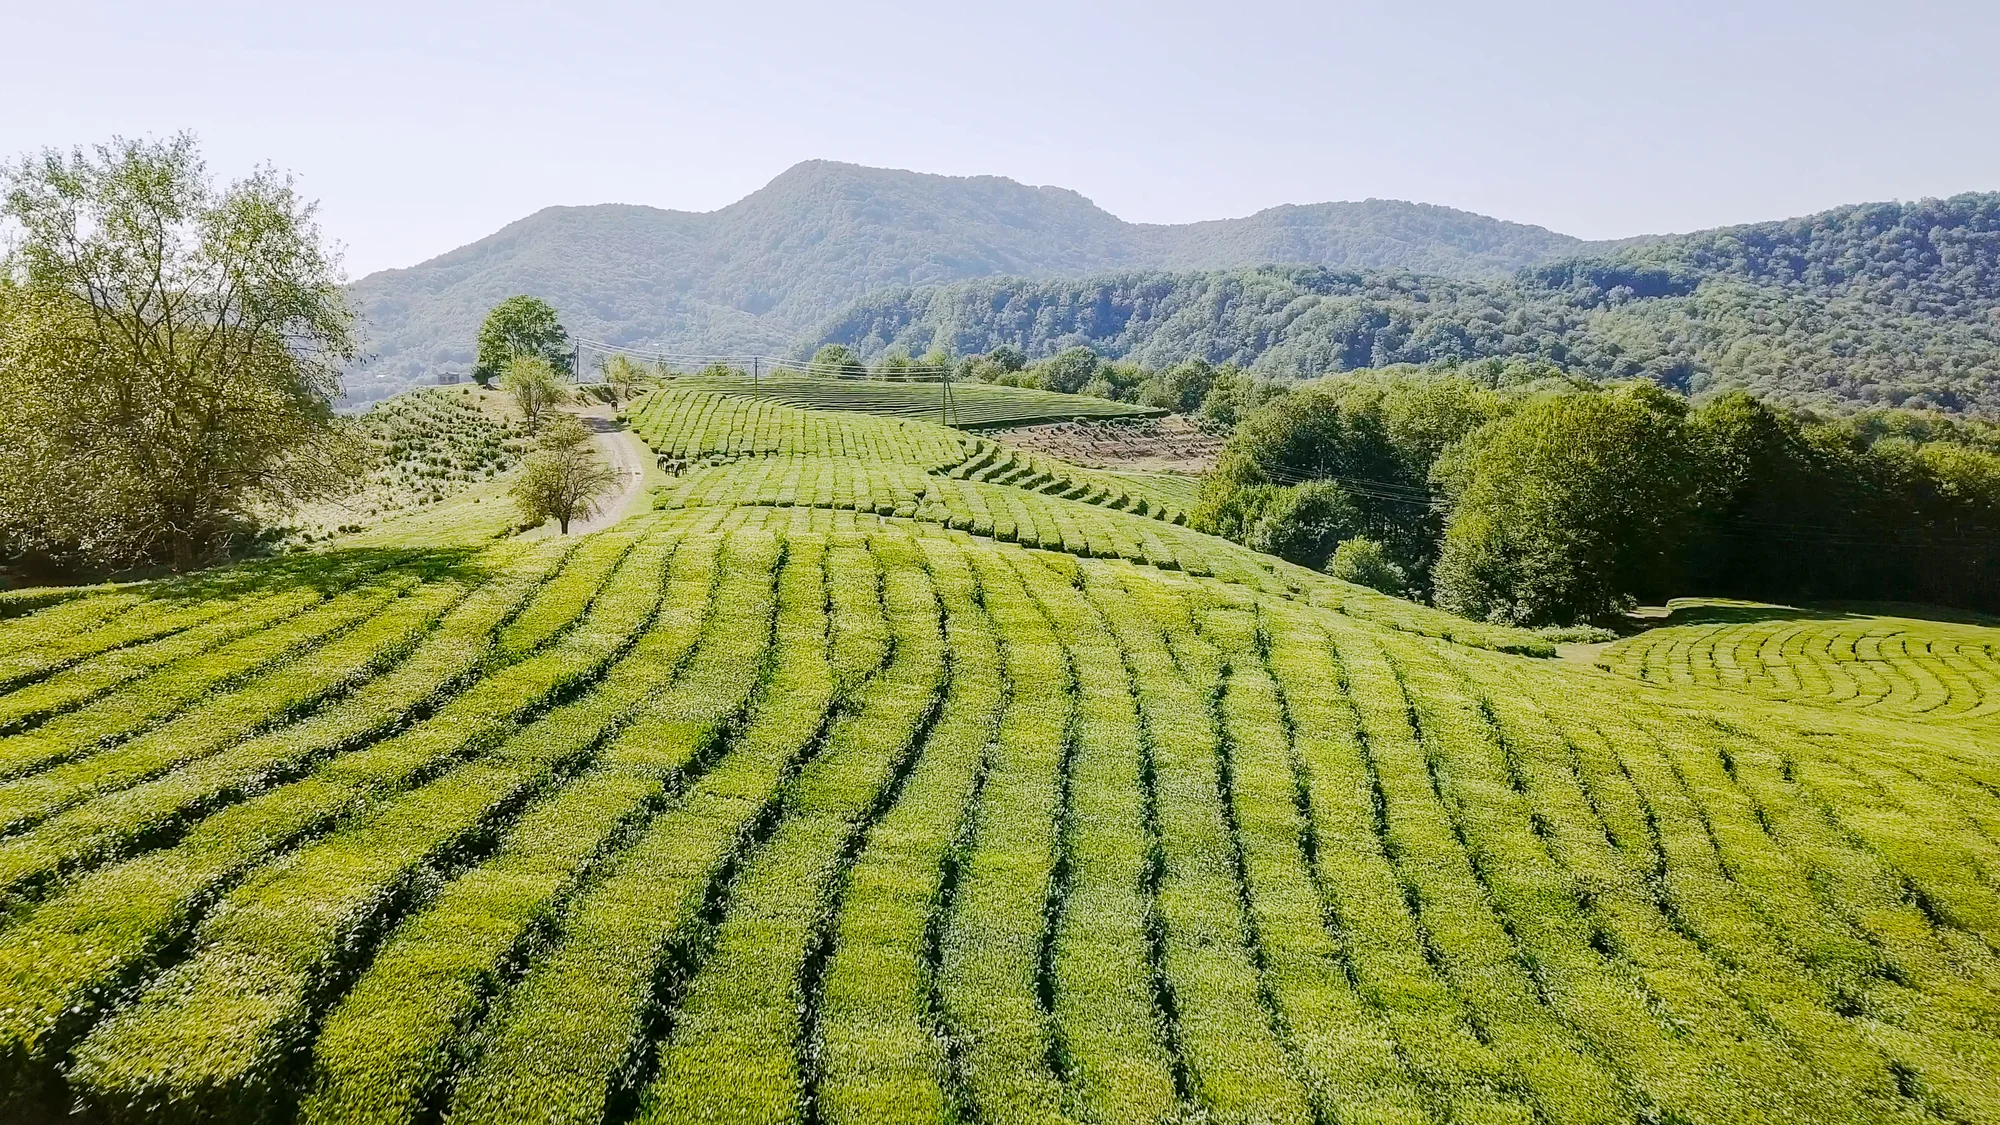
735,451
1883,664
975,406
771,807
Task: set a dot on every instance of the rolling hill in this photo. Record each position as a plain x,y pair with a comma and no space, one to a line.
1895,304
885,774
761,271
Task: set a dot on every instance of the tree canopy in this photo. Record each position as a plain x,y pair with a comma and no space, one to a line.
564,479
1881,304
169,350
1547,501
521,327
535,386
625,376
1570,508
834,359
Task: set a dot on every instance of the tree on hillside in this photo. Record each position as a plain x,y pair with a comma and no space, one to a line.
1235,394
169,352
836,359
1364,562
1180,388
1568,509
1303,523
521,326
565,478
1069,370
624,377
894,365
996,366
1377,436
937,359
535,386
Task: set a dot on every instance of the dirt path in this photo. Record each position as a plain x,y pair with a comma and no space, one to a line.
628,457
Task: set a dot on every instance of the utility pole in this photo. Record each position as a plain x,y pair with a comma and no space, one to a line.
756,370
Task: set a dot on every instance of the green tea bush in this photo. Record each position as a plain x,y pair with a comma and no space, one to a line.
748,811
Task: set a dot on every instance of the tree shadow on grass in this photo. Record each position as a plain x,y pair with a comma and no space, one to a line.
326,571
1742,613
1915,611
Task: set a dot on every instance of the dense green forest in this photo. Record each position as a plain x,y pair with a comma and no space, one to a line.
1893,304
1554,502
756,274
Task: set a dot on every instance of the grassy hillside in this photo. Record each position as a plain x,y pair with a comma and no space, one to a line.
756,274
1876,304
425,447
810,797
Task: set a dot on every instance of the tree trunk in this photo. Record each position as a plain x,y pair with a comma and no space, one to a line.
563,523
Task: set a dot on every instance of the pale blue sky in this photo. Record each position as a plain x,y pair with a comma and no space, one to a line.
422,126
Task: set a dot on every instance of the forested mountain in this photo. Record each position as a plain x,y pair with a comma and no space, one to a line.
1878,303
761,271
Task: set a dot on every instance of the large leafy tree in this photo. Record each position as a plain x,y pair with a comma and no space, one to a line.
1069,370
169,352
518,327
1569,508
836,359
1378,437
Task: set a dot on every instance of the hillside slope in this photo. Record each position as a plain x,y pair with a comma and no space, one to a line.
1883,303
758,272
776,807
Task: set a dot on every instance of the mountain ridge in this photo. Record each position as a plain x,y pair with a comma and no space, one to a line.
1878,303
756,273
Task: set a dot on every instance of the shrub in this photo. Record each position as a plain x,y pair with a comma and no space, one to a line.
1364,562
1302,523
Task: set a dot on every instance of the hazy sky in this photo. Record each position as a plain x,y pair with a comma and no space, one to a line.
422,126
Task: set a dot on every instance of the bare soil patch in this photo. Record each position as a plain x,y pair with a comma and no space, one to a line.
1174,444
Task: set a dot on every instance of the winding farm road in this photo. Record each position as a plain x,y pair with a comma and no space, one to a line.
627,456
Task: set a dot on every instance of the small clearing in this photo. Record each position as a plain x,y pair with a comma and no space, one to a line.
1173,444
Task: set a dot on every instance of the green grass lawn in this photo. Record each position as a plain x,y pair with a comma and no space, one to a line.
882,773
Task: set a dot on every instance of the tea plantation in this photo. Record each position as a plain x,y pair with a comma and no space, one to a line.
882,773
1861,658
974,406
